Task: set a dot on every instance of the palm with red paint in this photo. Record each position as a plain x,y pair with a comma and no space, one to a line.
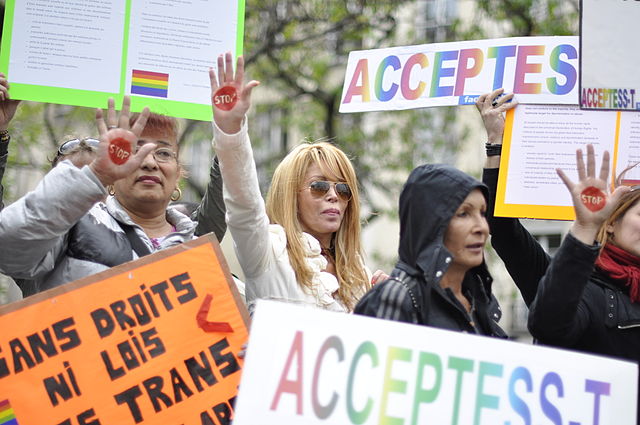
230,121
588,220
118,130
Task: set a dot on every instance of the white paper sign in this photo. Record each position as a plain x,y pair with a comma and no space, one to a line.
81,52
307,366
541,138
628,155
536,69
546,137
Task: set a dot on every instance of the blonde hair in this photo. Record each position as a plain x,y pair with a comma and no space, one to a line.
282,209
626,202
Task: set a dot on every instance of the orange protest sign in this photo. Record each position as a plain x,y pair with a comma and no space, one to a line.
153,341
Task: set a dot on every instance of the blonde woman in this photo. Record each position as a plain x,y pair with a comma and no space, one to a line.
304,245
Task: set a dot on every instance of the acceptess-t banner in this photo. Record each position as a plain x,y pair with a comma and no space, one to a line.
306,366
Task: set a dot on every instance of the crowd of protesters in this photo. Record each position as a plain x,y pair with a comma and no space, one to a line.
303,244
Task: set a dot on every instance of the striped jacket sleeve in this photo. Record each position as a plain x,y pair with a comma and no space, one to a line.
390,300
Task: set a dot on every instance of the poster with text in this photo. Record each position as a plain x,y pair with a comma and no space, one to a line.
538,139
609,54
153,341
81,53
306,366
536,69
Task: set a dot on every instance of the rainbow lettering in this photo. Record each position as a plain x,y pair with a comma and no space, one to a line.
409,93
149,83
521,387
600,98
536,69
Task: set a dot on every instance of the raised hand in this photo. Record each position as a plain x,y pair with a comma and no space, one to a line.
116,157
491,109
7,106
591,199
234,99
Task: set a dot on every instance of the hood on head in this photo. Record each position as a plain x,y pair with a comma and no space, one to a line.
429,198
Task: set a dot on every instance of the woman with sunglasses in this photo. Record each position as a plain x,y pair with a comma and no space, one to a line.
62,231
589,298
304,245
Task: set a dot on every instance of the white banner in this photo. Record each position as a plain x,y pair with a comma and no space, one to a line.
537,69
609,55
307,366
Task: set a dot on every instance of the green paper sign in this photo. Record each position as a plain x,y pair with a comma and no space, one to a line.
81,53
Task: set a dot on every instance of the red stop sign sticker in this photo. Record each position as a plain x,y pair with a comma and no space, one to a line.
593,198
119,150
225,98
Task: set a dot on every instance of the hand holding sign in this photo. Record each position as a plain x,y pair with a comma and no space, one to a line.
492,107
229,98
116,157
7,106
591,202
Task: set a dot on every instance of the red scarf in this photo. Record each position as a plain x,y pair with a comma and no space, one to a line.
622,267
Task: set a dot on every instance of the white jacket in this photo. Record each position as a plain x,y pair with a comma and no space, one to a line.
260,246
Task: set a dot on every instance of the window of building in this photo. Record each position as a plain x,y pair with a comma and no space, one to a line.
436,19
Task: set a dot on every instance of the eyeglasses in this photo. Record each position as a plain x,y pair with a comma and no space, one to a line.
320,188
162,154
70,145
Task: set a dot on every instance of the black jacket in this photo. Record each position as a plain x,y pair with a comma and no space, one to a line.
575,306
581,308
523,257
413,294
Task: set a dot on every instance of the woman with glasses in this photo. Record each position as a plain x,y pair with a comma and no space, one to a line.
62,231
304,245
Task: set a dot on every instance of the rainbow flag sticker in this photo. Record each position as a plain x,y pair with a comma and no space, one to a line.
7,417
149,84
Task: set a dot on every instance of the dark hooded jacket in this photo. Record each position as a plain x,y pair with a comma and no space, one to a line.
413,294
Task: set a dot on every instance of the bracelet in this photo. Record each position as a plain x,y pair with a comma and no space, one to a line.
493,149
4,135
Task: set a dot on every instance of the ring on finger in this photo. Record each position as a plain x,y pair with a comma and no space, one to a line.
112,126
494,103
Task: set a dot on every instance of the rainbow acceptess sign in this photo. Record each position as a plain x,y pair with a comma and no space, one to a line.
537,69
306,366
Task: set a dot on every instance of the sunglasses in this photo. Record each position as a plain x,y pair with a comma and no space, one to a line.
320,188
67,147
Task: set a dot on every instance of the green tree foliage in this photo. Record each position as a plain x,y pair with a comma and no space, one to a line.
529,17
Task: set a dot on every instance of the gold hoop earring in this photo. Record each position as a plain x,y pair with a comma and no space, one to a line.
111,191
175,196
